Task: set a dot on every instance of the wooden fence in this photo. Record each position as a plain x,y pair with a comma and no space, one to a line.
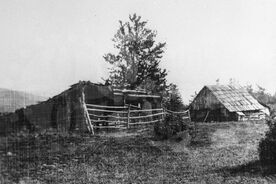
124,117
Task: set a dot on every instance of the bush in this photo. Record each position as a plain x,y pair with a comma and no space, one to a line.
171,125
267,146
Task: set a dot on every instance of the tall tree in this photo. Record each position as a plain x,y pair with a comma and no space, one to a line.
136,64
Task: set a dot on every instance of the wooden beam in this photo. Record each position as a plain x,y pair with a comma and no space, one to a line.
146,110
88,121
146,122
207,114
107,116
128,116
102,110
107,107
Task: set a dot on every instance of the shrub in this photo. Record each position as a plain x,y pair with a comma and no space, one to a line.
267,146
171,125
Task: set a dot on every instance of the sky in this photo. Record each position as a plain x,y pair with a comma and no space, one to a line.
47,45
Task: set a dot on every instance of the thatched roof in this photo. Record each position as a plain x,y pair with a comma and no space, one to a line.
235,98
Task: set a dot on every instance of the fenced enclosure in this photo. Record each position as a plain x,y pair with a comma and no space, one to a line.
125,117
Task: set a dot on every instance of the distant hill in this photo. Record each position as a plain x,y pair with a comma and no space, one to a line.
10,100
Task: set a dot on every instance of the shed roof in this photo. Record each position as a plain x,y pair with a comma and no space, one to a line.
235,98
134,93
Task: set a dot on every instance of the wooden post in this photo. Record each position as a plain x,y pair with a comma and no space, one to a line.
189,115
128,116
163,113
86,114
116,121
206,116
86,121
89,121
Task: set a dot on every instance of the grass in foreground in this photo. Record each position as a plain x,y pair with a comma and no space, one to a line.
219,153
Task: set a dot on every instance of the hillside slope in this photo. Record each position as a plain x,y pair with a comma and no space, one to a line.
10,100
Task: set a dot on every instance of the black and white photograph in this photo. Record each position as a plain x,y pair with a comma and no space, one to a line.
137,91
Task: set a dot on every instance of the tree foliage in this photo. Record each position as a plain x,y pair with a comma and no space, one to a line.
136,64
264,98
172,99
261,95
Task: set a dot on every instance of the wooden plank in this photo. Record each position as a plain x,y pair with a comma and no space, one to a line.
119,127
206,116
174,112
107,107
147,116
116,123
101,120
102,110
107,116
145,110
128,116
134,106
147,122
163,113
185,117
189,115
90,125
143,96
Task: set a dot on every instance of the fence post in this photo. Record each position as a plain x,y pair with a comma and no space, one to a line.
86,114
163,113
189,115
128,116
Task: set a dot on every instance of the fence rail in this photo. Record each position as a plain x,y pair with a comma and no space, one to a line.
107,107
102,110
124,117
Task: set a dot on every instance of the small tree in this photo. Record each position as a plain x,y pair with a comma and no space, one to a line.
136,64
173,100
173,123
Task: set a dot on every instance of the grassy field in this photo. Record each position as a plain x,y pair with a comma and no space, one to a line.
217,153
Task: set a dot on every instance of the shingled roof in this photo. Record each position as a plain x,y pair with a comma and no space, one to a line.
235,98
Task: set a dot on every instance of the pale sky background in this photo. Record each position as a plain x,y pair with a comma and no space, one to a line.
47,45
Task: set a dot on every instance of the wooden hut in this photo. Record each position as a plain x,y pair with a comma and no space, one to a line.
225,103
66,111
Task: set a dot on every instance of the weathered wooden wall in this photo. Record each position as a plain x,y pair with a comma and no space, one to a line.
205,100
206,107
